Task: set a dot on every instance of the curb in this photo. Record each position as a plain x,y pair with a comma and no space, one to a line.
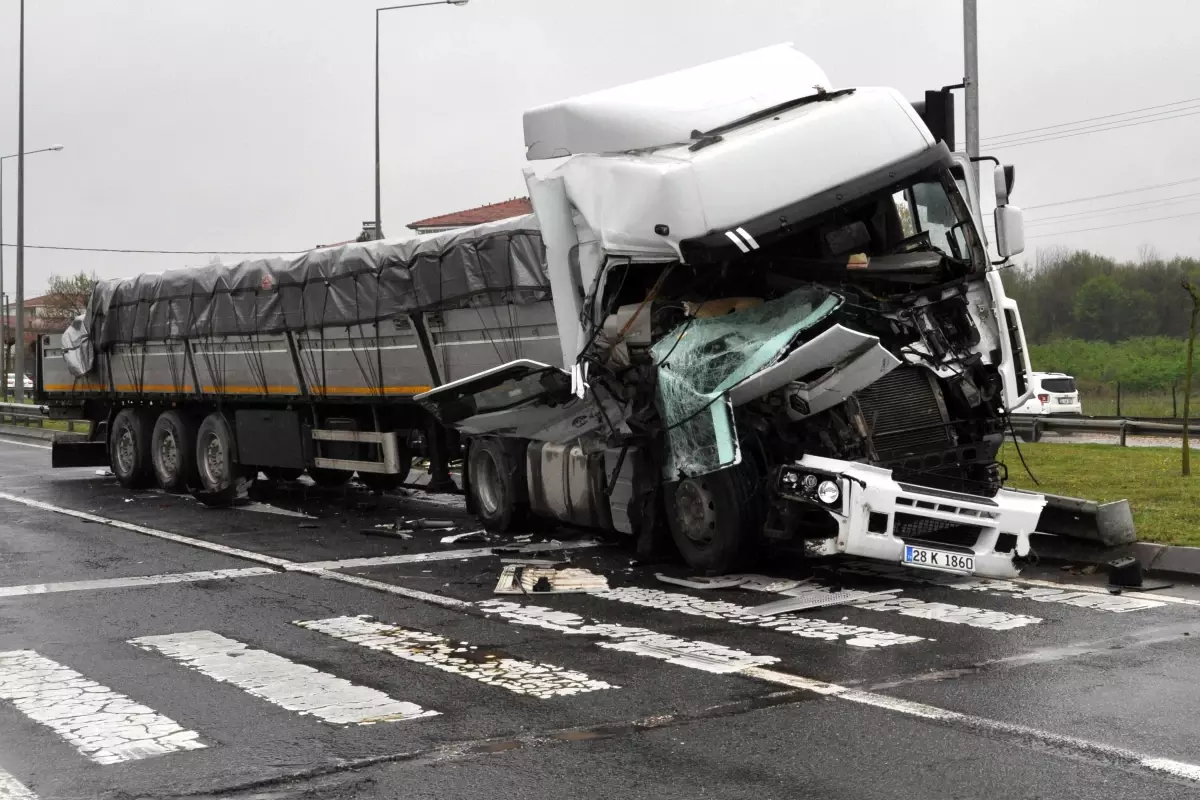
1159,559
40,434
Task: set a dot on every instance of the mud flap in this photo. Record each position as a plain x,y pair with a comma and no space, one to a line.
78,454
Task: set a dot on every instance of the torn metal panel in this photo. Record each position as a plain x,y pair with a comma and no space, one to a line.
818,597
703,359
701,582
854,360
525,579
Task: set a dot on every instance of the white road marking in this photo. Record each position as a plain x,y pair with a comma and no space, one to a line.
103,725
955,615
133,582
277,680
390,588
853,635
459,658
13,789
690,653
26,444
420,558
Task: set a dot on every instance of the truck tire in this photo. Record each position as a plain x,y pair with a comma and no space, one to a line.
129,447
220,474
715,520
389,482
329,478
172,451
493,485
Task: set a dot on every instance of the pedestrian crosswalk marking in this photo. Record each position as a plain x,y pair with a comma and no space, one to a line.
516,675
695,654
277,680
13,789
103,725
853,635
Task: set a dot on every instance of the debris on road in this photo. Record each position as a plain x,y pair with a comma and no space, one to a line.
421,523
474,536
819,598
704,583
386,533
526,579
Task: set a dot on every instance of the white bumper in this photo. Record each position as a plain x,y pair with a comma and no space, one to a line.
871,499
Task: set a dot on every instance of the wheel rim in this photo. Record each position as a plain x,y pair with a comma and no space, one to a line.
213,463
168,454
695,512
126,451
487,482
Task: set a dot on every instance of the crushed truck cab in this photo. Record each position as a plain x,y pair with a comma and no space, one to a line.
778,322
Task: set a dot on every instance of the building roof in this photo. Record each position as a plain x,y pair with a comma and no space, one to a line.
516,207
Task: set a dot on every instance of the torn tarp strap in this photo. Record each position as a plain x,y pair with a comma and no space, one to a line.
339,286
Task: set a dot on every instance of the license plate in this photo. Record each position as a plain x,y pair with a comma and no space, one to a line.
1066,401
938,559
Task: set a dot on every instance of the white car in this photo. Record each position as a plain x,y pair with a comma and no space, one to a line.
1053,393
13,385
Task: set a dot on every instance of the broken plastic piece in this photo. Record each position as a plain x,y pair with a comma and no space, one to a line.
520,579
702,582
479,535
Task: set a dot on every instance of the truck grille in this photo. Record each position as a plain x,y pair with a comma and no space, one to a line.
904,414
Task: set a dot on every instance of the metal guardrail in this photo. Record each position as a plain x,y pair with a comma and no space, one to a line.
31,416
1030,427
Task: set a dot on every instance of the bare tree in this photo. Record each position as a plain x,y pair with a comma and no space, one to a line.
68,297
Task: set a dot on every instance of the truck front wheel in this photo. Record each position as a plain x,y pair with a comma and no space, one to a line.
129,447
493,483
714,520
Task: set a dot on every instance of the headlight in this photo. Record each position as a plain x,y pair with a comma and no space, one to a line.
828,492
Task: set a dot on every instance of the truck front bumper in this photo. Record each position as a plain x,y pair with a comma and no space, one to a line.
877,515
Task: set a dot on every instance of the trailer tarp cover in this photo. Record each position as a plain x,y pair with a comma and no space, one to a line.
341,286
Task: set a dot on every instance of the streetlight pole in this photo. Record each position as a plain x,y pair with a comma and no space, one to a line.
378,203
4,315
19,366
971,78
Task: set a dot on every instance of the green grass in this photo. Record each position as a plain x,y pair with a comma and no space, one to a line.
1103,403
1166,506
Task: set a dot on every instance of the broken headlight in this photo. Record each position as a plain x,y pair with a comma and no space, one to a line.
819,488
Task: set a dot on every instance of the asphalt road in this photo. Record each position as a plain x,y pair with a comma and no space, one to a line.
151,647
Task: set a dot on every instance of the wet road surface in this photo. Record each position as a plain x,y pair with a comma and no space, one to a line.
152,647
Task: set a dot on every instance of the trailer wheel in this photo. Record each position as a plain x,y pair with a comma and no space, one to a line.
172,446
493,486
714,519
129,447
329,478
216,460
389,481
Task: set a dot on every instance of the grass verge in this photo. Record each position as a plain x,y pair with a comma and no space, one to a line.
1166,506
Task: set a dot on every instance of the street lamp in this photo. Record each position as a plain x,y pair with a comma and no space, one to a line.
378,206
4,325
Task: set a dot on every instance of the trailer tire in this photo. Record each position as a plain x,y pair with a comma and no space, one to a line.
172,451
220,474
495,494
129,447
715,520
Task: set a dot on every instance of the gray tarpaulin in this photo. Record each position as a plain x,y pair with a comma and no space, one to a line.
340,286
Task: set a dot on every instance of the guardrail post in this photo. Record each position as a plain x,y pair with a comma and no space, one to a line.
70,426
1124,431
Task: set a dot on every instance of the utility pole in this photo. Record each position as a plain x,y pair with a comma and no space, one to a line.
19,360
971,78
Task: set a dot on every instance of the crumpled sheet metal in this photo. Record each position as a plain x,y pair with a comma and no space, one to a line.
708,357
339,286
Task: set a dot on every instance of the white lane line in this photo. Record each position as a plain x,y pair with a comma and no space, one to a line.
103,725
26,444
1096,597
281,563
13,789
852,635
277,680
694,654
133,582
1177,769
543,681
390,588
421,558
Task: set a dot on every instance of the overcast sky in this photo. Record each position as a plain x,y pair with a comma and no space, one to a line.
247,124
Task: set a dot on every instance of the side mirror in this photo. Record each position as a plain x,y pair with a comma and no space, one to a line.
1010,231
1003,178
